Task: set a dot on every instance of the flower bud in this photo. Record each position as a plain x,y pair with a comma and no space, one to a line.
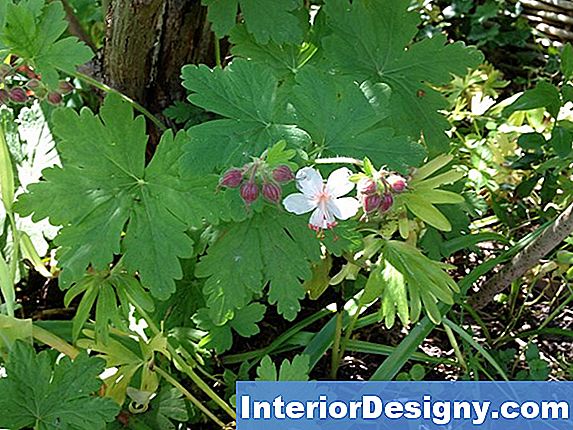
272,192
249,192
397,183
371,203
34,84
283,174
64,87
387,202
54,98
18,95
5,70
4,97
232,178
366,186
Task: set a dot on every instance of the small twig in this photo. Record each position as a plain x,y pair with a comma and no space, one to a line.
526,259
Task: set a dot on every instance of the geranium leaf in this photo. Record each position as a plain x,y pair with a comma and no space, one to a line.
340,118
247,96
254,253
41,395
265,19
32,30
104,186
371,40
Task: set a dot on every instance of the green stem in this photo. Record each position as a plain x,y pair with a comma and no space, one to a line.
349,331
218,52
456,347
190,396
336,346
53,341
13,261
339,160
106,88
186,368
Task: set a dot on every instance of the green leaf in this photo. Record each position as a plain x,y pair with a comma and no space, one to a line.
168,405
424,279
285,59
372,40
426,211
33,31
394,296
251,254
567,61
340,119
13,329
561,141
103,185
41,395
544,95
266,19
295,370
278,155
244,323
247,96
6,173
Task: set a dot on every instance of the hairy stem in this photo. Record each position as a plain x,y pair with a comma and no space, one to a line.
526,259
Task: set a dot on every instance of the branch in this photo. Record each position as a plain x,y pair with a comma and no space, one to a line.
526,259
75,27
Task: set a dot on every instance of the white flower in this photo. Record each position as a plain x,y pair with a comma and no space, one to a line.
324,199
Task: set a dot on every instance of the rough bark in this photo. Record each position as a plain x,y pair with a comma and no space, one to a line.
147,43
526,259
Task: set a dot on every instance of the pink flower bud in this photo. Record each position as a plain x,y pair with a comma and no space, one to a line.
249,192
54,98
366,186
232,178
283,174
387,202
372,202
64,87
4,97
18,95
272,192
34,84
397,183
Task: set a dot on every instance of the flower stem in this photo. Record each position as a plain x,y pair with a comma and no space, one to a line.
339,160
336,345
106,88
165,375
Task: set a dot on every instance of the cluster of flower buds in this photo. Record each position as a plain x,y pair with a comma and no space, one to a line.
377,194
256,178
33,88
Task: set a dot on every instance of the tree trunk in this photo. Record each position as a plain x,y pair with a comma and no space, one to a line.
147,43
